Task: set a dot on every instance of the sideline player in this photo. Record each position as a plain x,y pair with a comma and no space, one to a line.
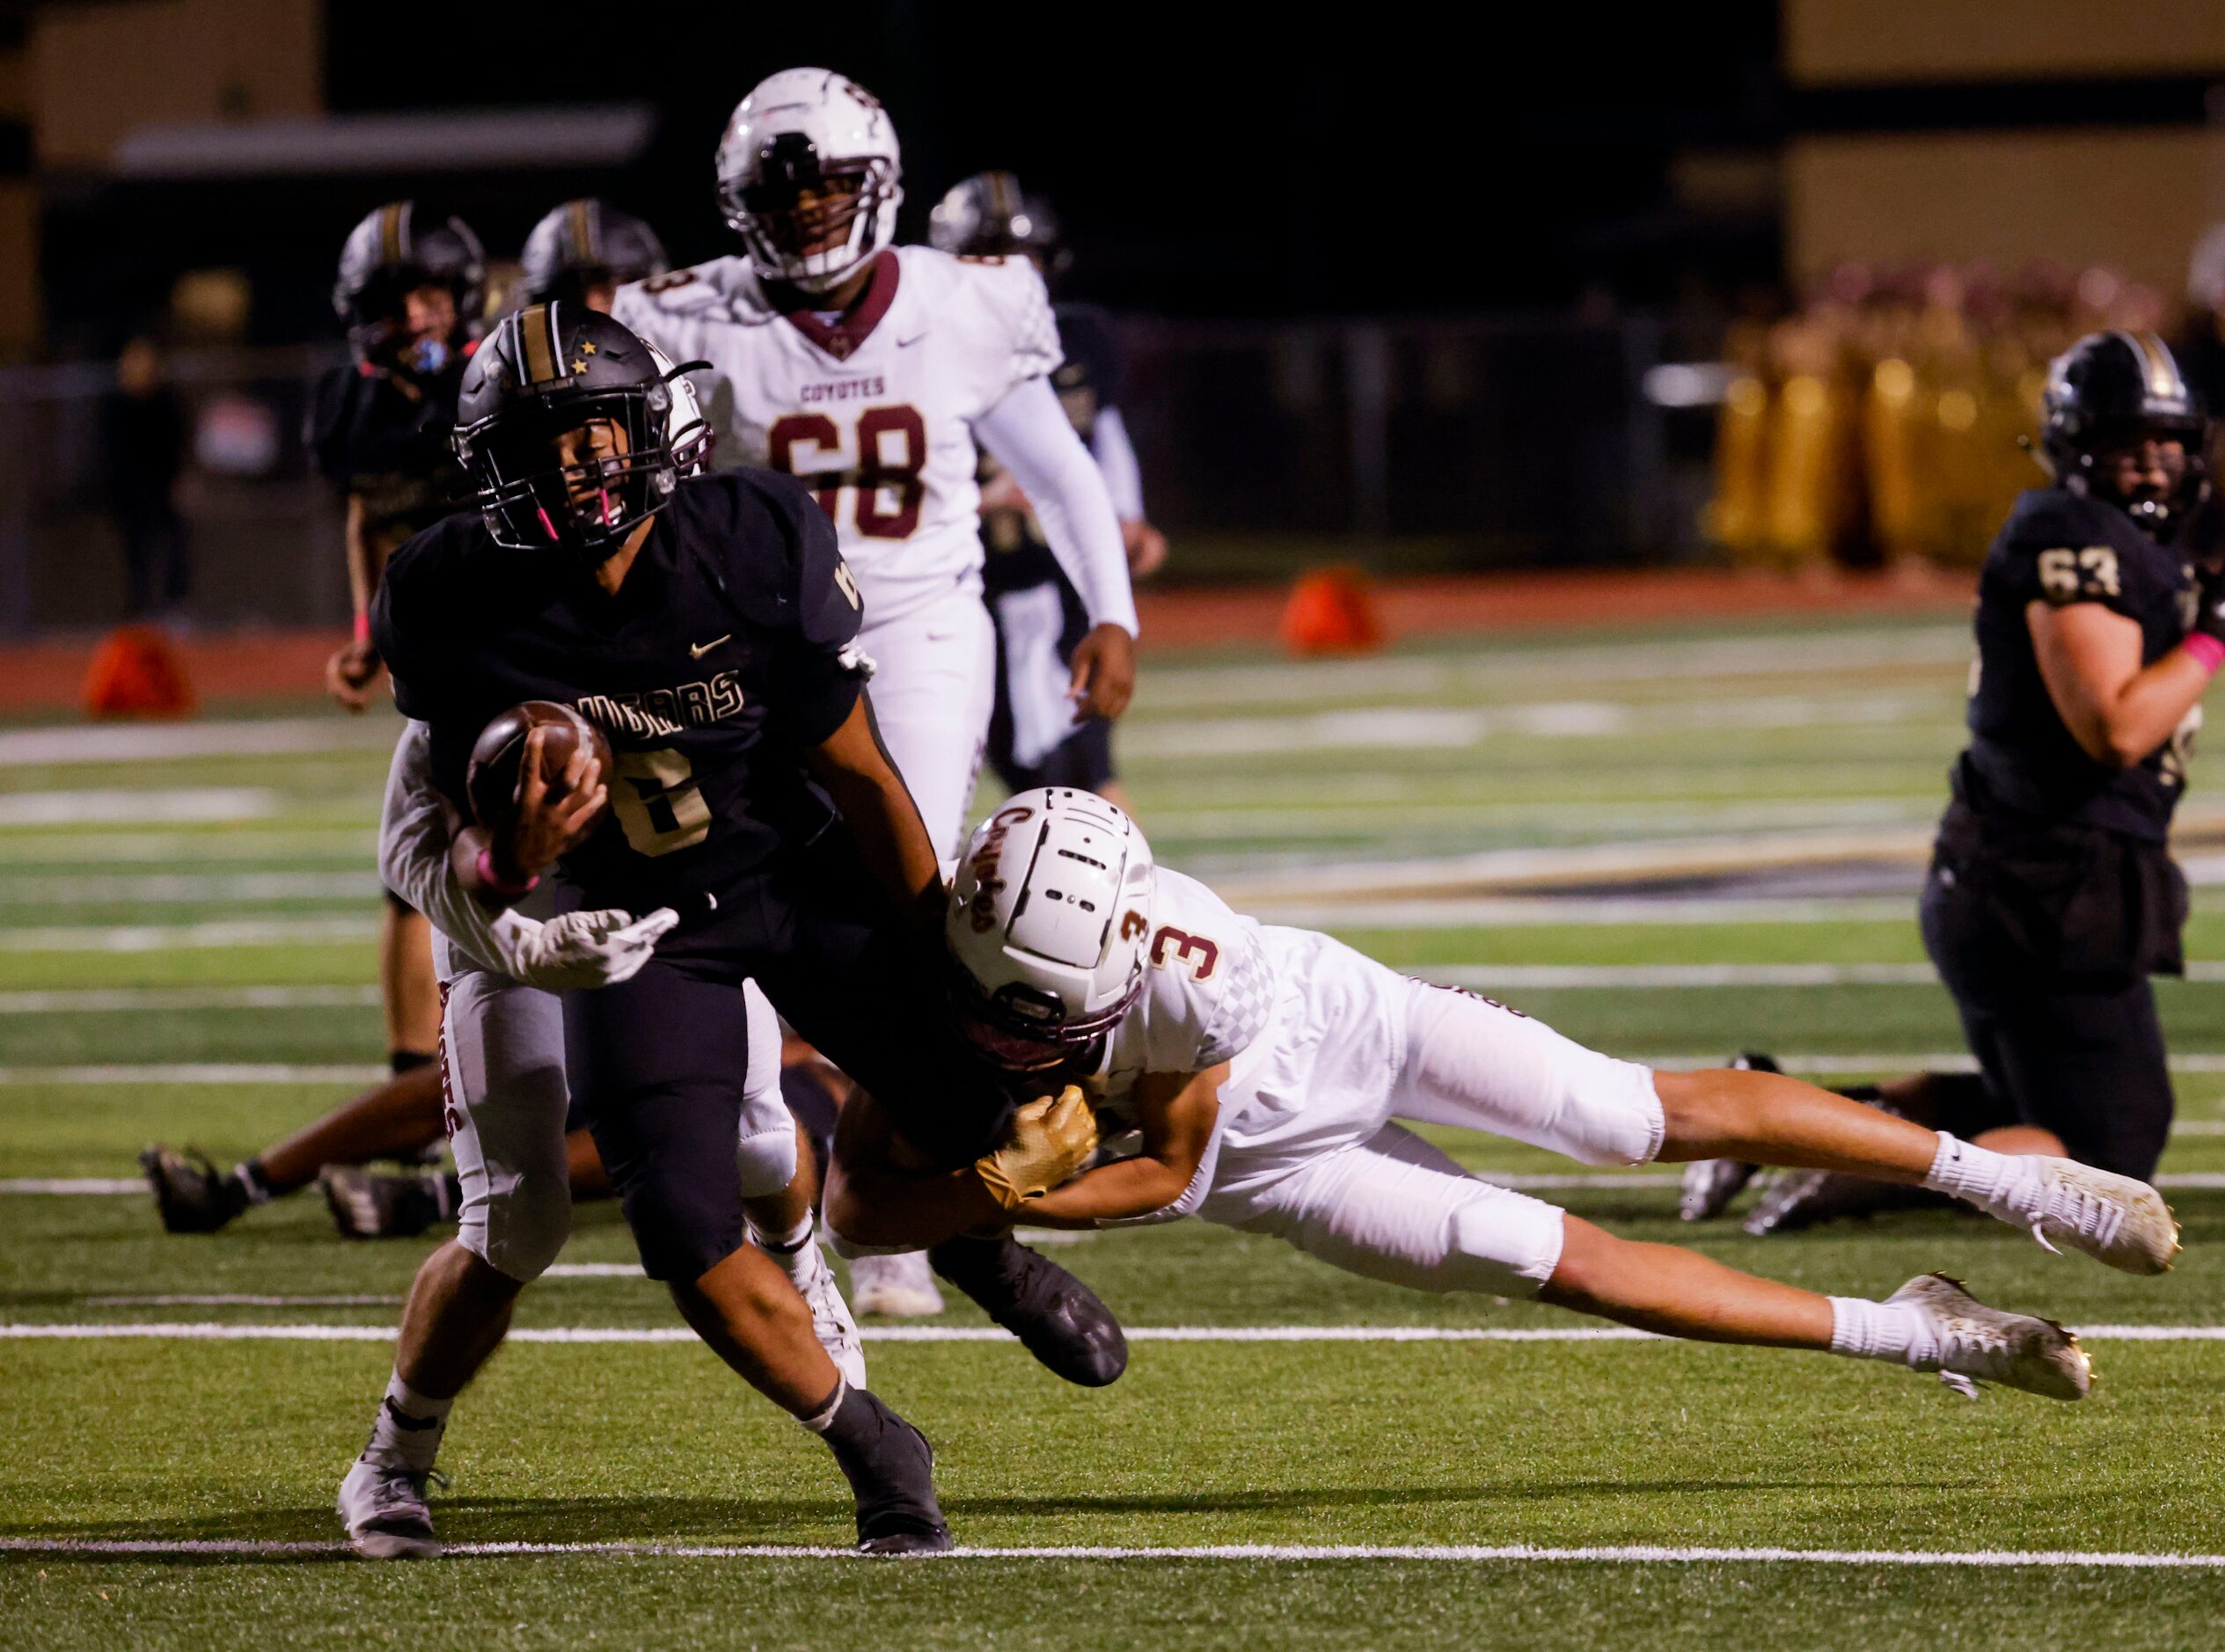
1263,1067
2052,897
872,371
1035,738
706,627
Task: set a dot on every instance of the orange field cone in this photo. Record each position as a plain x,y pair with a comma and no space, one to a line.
1332,610
136,672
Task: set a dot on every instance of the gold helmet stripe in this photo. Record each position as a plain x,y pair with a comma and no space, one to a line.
582,233
392,221
2163,372
537,334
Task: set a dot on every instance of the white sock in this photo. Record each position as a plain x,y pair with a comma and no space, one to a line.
408,1428
823,1419
792,1249
1892,1331
1988,1179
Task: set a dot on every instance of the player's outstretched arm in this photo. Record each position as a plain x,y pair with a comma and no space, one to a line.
1176,1112
855,769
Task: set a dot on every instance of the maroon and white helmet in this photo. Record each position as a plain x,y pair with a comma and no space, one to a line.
1048,921
810,132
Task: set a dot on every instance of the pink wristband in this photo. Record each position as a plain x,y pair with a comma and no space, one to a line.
363,627
487,875
2207,650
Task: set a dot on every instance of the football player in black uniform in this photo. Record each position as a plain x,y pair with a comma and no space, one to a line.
583,251
706,627
2052,897
1036,737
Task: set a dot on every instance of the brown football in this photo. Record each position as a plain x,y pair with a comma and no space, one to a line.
491,779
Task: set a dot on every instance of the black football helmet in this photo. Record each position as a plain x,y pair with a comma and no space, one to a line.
988,215
2112,390
584,243
546,371
395,249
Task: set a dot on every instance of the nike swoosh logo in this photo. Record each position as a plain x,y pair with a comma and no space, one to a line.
697,650
906,344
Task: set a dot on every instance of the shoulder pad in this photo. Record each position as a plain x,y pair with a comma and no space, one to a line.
723,287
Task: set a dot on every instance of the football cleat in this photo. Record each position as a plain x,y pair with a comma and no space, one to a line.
1057,1318
2114,1219
383,1506
890,1468
1792,1199
366,1204
1710,1184
806,1269
900,1287
1981,1344
193,1195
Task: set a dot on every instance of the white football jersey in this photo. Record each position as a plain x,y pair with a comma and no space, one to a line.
1209,988
876,410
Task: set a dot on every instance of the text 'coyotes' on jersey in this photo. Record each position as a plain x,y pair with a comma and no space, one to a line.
873,410
723,656
2061,549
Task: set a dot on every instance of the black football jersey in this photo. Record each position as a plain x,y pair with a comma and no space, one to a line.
2062,548
722,658
370,437
1088,382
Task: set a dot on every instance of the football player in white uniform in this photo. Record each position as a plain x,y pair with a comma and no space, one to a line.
1263,1068
873,370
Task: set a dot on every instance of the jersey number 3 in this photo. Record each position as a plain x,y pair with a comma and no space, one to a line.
892,447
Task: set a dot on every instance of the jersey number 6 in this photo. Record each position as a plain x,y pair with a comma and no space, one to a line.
657,807
892,447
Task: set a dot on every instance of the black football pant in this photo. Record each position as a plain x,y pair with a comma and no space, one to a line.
2082,1057
658,1062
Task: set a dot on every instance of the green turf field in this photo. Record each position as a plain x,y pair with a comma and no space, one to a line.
186,954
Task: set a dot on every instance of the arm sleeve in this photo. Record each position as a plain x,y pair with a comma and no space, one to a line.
1030,435
415,828
1115,458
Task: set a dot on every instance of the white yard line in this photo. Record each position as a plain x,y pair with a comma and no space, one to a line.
309,930
237,1299
175,806
170,743
196,1073
209,1330
1572,911
1254,1554
171,888
354,845
132,1000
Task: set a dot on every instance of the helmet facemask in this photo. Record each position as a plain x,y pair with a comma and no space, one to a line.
1024,1031
811,223
576,473
2086,465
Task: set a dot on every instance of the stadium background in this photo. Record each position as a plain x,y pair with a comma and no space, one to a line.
1663,383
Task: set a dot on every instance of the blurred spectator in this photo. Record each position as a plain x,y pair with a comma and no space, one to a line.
1886,420
143,442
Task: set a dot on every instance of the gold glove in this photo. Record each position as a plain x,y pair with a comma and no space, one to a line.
1049,1141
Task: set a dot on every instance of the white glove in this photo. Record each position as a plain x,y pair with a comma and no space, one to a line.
579,949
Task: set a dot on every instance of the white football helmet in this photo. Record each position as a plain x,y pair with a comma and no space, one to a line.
686,432
1048,923
810,129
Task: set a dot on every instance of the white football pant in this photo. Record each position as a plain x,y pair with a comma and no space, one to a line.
1331,1173
935,685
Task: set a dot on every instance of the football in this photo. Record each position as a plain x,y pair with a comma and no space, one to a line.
492,778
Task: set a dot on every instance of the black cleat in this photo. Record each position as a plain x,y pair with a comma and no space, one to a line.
368,1205
193,1195
1710,1184
1057,1318
1795,1199
890,1468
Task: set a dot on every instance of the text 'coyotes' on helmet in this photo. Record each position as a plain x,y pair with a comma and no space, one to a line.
988,215
810,175
1048,923
2112,391
564,423
584,244
393,252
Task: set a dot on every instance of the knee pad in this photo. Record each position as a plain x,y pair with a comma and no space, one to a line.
1502,1243
765,1161
684,1226
515,1224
